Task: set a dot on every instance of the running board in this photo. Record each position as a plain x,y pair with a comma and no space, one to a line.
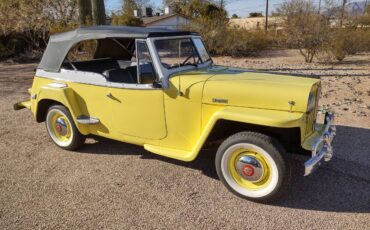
86,120
181,155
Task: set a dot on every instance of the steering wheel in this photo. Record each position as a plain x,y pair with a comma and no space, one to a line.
187,59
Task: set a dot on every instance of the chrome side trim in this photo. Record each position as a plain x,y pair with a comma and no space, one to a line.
88,78
322,149
57,85
86,120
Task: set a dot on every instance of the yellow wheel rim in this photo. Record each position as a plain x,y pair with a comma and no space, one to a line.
246,177
60,127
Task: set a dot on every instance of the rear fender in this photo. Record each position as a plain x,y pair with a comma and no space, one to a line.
64,95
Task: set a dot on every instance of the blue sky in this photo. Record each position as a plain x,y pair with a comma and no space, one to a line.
239,7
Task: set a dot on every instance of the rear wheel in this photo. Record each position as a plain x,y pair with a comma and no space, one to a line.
61,128
252,165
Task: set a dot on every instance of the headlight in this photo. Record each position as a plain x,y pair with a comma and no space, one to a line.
311,102
313,97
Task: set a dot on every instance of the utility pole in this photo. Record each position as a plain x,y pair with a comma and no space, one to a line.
365,7
319,6
267,13
342,14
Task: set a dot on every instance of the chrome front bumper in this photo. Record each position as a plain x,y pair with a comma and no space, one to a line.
321,148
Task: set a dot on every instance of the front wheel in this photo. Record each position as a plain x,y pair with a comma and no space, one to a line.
252,165
61,128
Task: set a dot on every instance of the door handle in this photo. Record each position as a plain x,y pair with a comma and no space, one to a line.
110,95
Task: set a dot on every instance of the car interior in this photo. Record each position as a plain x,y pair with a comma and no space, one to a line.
115,59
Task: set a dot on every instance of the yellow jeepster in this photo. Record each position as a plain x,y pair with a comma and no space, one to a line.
160,89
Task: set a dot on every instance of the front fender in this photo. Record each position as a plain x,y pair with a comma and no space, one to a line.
212,114
273,118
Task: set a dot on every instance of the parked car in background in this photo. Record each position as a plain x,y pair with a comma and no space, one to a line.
160,89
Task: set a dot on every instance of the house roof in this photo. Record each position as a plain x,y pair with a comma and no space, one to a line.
150,20
60,44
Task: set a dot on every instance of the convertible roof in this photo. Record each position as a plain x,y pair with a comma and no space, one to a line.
60,44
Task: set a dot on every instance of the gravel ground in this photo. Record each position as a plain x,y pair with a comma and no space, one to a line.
108,184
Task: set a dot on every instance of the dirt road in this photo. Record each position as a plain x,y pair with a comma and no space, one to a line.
108,184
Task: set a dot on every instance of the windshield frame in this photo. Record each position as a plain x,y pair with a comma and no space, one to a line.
164,73
191,38
205,48
194,49
185,67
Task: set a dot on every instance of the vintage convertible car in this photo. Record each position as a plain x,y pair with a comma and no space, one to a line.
160,89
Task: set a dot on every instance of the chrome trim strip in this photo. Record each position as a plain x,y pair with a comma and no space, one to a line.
86,120
325,153
58,85
88,78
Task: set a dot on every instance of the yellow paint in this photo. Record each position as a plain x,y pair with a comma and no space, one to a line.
177,126
23,104
131,109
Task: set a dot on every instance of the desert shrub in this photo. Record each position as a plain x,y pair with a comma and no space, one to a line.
241,42
32,19
126,15
126,19
59,27
344,42
221,38
305,29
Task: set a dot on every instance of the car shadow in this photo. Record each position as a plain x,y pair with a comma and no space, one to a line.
342,185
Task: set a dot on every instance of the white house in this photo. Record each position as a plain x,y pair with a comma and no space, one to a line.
168,21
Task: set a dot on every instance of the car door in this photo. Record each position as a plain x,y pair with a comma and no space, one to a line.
138,109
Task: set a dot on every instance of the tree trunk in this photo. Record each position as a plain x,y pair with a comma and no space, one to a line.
98,10
84,10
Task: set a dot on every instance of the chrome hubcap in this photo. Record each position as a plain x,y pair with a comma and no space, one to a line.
61,126
249,168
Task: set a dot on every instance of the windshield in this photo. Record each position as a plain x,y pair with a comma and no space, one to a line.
174,53
202,50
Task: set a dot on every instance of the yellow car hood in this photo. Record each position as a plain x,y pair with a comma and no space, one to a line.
238,87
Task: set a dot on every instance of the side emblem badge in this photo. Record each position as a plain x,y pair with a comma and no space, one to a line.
220,100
